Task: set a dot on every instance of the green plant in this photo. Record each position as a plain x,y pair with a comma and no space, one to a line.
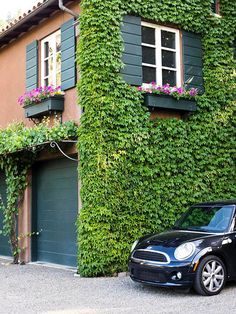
139,175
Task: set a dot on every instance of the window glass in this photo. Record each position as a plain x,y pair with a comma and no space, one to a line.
168,39
213,6
169,77
234,47
168,58
51,60
148,35
149,74
207,219
149,55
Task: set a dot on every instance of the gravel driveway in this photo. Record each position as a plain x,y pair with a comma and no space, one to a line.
37,289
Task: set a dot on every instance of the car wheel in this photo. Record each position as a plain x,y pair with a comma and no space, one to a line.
210,276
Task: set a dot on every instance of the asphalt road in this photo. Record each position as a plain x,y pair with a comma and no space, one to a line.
37,289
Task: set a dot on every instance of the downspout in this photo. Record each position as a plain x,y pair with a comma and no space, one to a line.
65,9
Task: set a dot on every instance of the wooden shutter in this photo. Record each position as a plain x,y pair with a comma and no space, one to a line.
68,66
132,56
192,60
32,66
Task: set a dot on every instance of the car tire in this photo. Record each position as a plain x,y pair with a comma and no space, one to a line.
210,276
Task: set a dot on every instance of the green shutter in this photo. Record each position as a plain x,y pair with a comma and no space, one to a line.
32,66
132,56
68,67
192,60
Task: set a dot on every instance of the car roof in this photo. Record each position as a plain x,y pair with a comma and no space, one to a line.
216,203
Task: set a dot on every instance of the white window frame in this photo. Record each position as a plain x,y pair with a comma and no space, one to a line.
158,49
51,39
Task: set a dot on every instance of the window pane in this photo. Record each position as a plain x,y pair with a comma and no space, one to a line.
46,50
46,68
58,62
148,35
46,82
234,47
50,63
58,43
169,77
149,55
168,39
168,59
213,6
58,79
51,79
50,48
149,75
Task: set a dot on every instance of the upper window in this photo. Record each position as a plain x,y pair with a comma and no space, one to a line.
51,60
160,54
215,6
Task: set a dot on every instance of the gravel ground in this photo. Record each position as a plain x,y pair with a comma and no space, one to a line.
38,289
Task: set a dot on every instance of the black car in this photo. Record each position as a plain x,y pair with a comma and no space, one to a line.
199,251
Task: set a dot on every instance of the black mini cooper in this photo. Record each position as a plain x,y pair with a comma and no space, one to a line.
199,251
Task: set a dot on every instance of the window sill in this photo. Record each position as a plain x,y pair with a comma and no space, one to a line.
169,102
45,108
216,15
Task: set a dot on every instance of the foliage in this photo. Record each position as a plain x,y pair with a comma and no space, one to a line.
19,146
139,175
36,95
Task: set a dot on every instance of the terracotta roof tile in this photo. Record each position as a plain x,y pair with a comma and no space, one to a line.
22,16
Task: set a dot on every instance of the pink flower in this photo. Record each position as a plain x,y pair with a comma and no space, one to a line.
167,90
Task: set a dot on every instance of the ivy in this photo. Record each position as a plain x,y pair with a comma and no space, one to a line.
19,147
139,175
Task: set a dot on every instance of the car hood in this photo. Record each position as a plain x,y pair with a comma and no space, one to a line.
174,238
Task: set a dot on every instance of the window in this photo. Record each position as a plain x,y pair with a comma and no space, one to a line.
51,60
160,54
234,47
215,6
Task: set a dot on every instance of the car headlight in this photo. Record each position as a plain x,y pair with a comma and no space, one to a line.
184,251
134,245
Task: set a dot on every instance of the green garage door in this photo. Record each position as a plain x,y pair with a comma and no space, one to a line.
4,245
54,212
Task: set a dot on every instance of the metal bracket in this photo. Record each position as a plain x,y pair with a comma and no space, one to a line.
54,144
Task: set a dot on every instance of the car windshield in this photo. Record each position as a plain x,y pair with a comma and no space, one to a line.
206,219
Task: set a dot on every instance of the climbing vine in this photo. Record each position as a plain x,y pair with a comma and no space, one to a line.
19,147
139,175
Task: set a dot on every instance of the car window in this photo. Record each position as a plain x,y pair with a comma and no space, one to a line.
207,219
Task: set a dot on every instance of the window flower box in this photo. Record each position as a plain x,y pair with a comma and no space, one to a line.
168,97
169,102
42,101
45,107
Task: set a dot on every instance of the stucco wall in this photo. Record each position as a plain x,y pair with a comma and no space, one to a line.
12,72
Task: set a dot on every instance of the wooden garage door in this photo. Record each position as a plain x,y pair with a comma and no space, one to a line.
4,245
55,208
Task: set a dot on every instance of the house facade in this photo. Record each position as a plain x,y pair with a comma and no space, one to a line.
170,49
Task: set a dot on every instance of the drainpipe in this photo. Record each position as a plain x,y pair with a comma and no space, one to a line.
65,9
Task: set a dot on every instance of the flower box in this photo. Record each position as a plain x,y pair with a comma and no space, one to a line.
169,102
45,107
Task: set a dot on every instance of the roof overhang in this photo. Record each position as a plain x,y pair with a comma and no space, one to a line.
43,11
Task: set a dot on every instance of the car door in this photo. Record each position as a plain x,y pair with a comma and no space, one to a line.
229,249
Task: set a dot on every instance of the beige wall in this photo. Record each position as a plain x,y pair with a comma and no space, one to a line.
12,73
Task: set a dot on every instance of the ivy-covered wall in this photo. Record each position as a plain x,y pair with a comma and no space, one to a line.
139,175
